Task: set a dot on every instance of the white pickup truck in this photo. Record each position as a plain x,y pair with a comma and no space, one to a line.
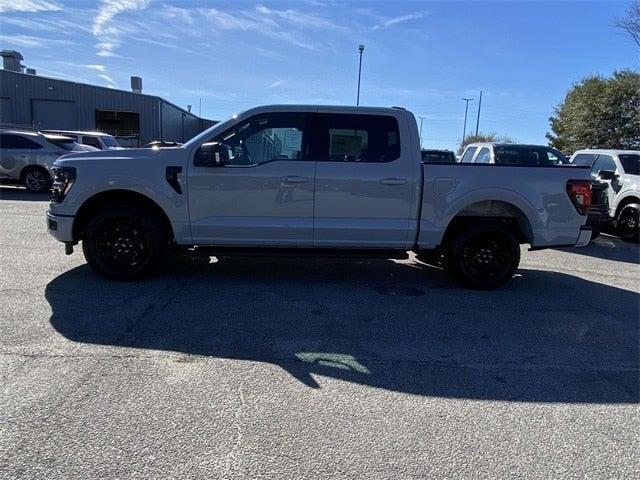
313,180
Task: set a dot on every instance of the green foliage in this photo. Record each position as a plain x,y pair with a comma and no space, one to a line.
599,113
484,137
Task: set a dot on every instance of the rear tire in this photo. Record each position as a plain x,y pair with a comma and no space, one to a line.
628,223
124,242
483,256
36,179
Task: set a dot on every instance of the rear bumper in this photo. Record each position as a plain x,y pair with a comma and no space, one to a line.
585,236
60,227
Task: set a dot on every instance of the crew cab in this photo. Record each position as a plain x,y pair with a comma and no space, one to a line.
312,180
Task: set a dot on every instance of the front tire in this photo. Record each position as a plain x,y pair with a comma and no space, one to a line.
484,256
628,223
36,179
124,242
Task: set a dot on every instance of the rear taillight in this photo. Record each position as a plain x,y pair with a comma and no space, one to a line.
579,192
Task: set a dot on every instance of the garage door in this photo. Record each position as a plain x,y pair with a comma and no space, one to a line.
6,114
54,114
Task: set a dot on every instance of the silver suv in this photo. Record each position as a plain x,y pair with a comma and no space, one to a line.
621,170
27,157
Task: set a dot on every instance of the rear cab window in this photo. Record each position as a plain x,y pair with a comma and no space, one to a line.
358,138
584,159
468,154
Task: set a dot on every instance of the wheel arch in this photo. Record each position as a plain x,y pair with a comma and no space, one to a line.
485,211
629,199
117,197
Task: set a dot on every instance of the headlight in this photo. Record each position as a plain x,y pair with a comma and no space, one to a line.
63,178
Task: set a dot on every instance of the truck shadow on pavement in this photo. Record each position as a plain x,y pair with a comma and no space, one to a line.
405,327
23,195
609,247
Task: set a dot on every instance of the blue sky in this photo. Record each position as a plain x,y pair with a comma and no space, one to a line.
422,55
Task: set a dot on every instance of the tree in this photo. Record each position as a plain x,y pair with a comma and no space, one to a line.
484,137
599,113
631,22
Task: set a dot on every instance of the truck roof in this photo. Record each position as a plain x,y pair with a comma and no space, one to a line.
607,150
314,108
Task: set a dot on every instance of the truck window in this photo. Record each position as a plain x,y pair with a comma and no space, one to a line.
604,162
359,138
630,163
265,138
468,154
18,143
484,156
91,141
583,159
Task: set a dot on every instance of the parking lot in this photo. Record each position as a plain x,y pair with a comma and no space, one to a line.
284,368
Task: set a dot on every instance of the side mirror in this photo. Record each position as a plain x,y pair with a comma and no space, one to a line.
607,175
212,154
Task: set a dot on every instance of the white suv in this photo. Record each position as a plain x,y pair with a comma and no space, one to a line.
99,140
621,170
27,157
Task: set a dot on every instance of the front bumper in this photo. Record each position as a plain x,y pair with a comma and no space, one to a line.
585,236
60,227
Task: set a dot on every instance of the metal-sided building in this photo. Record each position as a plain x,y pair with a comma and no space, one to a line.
34,101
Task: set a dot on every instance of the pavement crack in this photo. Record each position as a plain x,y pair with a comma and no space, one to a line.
231,459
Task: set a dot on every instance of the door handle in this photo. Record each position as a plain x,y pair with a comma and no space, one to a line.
294,179
393,181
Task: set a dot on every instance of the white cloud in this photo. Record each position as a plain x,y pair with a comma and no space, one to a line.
29,6
176,13
289,25
107,79
387,22
100,68
30,41
275,84
107,32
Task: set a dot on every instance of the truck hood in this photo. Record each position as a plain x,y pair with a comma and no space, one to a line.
125,155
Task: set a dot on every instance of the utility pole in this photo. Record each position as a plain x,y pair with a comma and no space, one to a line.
200,108
478,119
466,109
421,120
360,49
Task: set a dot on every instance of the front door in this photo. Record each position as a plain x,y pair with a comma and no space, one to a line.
262,193
365,183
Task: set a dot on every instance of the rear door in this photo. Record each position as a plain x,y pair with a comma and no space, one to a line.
365,181
263,195
16,152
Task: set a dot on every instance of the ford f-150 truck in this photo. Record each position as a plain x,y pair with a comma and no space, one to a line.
313,180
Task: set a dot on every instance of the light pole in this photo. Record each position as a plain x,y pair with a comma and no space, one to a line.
479,107
360,49
421,120
466,109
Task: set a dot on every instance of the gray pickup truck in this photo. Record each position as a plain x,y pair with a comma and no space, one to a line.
313,180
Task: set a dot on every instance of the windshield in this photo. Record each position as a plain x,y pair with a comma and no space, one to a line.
630,163
61,142
109,141
528,155
211,132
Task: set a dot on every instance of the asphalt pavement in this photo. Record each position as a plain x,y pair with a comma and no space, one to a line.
300,368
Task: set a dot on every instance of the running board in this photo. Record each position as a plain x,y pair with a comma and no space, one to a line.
298,252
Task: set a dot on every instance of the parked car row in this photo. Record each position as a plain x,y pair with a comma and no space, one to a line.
26,157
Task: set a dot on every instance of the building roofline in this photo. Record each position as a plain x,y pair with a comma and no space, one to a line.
155,97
